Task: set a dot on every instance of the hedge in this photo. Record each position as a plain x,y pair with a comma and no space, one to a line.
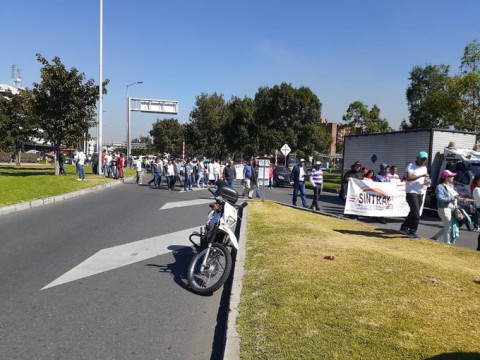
25,158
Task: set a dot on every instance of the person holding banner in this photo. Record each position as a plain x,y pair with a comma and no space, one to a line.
417,176
446,201
354,172
383,176
393,176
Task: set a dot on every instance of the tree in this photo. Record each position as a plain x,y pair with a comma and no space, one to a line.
205,132
64,104
464,92
427,96
356,115
240,132
284,114
369,121
17,122
375,123
167,136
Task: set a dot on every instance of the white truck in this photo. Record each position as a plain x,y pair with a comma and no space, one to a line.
402,147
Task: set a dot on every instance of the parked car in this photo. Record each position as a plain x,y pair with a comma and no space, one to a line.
281,176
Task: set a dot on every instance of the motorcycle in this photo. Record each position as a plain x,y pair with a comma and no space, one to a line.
211,265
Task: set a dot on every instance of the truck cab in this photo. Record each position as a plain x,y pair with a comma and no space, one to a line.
466,164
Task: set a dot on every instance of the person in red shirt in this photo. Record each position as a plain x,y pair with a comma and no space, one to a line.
270,176
119,163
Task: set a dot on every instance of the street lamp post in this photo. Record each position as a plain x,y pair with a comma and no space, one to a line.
100,93
129,146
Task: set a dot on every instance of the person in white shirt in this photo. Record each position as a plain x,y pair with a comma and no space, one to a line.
417,177
298,177
139,169
211,176
80,161
201,174
476,197
108,164
393,176
170,171
216,170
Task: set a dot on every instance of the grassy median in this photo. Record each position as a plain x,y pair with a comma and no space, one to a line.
31,182
382,297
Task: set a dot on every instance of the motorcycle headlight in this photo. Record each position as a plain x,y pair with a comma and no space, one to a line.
231,221
209,218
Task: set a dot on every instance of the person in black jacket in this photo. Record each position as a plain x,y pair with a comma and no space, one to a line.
61,162
354,172
229,174
298,175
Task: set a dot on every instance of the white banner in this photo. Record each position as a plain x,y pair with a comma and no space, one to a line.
383,199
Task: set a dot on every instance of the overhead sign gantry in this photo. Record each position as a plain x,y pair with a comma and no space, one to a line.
148,106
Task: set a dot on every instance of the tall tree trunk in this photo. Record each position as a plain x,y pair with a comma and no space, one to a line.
18,157
55,159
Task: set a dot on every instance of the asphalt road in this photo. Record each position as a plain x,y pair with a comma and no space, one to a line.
140,311
96,309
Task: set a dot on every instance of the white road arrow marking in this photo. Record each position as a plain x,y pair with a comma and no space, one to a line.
122,255
177,204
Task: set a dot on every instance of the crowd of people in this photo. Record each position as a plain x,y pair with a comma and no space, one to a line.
198,173
416,179
187,173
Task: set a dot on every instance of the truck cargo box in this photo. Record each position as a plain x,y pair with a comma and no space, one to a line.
402,147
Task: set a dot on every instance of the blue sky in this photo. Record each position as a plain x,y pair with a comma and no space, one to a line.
343,50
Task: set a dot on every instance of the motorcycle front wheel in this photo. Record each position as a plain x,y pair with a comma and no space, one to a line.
208,279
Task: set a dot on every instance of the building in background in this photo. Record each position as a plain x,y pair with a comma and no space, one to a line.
4,88
337,131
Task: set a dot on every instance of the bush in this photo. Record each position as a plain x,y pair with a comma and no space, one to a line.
25,158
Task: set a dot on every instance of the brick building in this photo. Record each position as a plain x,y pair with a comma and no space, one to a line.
336,130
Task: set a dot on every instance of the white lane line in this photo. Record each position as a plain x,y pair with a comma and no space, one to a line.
177,204
122,255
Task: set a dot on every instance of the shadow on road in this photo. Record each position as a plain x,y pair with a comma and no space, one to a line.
177,269
25,171
456,356
382,234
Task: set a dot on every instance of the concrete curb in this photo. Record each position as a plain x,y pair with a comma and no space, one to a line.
4,210
232,343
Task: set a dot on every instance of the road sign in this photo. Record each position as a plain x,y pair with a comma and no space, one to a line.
264,162
285,149
263,169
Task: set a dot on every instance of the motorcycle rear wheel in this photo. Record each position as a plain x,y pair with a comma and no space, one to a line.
216,272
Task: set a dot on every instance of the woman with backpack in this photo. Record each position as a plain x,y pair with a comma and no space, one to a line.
446,201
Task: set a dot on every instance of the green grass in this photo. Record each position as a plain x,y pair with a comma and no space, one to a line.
31,182
331,179
383,297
